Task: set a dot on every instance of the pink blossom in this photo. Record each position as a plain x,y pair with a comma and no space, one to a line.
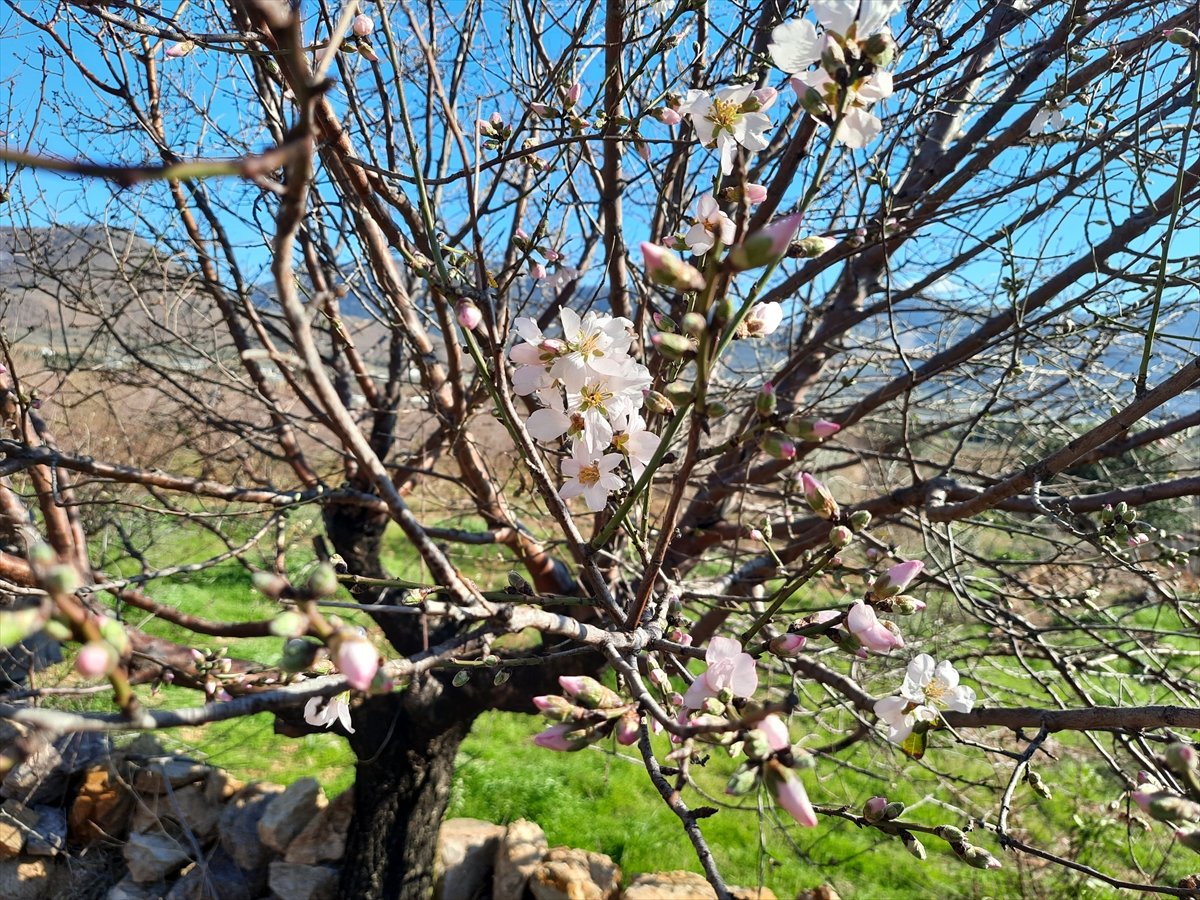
1138,539
728,669
358,660
362,25
823,428
897,578
180,50
540,109
538,271
872,633
667,116
574,92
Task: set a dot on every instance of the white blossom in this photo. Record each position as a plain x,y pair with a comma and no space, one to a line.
724,121
591,475
322,713
928,688
712,225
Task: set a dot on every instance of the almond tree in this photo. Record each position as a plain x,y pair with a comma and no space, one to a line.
741,329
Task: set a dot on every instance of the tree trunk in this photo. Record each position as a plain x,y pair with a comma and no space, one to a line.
406,753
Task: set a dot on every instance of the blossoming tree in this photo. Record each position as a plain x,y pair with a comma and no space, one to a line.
897,369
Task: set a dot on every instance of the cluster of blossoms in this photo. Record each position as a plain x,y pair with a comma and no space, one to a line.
848,55
592,391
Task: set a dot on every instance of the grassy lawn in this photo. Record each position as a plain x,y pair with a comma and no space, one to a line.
601,798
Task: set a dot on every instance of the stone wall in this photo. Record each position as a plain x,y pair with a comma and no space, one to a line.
79,819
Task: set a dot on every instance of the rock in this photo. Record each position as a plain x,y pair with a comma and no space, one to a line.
238,825
32,773
151,857
101,808
182,811
521,849
566,874
290,881
49,836
219,878
466,854
324,838
758,893
35,879
219,786
12,840
289,812
128,889
144,746
17,813
669,886
17,823
154,776
820,892
45,776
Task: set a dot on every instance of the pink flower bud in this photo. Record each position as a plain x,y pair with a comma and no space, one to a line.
665,268
897,578
766,246
757,535
763,319
790,794
497,120
777,445
541,110
1136,540
764,98
95,658
358,660
643,150
555,738
469,315
627,729
538,271
574,92
840,536
776,732
873,809
755,193
180,50
362,25
667,116
788,644
819,500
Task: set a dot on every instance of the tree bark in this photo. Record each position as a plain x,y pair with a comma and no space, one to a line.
406,752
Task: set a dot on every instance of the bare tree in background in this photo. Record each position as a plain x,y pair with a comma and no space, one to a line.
261,261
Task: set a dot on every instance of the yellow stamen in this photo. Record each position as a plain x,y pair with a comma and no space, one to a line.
589,475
